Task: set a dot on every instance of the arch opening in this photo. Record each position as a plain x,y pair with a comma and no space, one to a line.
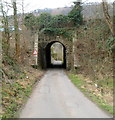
55,55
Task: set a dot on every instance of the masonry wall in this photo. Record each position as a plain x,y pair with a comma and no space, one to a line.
44,40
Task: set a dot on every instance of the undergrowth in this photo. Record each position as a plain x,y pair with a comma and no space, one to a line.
12,96
100,101
17,85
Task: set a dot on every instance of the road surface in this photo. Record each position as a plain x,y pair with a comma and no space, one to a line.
58,62
56,97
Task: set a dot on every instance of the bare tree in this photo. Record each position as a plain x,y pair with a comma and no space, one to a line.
17,36
107,16
6,32
23,35
22,5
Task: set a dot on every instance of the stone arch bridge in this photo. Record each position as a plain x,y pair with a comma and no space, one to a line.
44,53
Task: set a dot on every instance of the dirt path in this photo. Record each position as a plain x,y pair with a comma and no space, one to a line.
56,97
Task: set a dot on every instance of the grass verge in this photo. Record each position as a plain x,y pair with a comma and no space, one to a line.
99,100
15,92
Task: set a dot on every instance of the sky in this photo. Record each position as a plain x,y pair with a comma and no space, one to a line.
31,5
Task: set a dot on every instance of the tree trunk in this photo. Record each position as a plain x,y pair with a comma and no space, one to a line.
17,37
5,33
107,16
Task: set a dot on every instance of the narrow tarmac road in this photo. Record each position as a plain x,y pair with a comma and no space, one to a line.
56,97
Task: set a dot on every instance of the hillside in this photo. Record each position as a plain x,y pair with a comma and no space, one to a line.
55,11
90,11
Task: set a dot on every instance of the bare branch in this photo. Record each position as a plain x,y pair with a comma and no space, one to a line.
107,16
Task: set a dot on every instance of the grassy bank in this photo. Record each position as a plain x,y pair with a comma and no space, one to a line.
97,94
17,90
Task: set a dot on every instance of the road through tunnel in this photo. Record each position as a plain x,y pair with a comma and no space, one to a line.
55,55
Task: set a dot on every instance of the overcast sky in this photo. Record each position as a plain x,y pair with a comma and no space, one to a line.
40,4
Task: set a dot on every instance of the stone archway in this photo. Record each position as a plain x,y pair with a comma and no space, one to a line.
48,56
44,44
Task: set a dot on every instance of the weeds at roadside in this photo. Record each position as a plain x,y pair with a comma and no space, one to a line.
16,92
95,98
